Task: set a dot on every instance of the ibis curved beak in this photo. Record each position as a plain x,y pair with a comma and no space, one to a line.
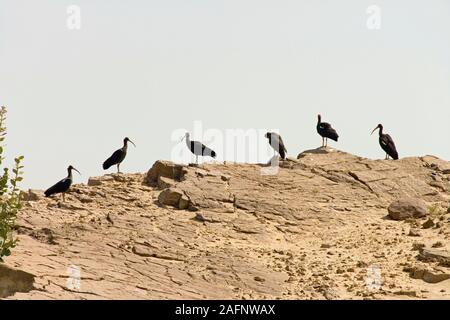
132,143
182,139
76,171
374,130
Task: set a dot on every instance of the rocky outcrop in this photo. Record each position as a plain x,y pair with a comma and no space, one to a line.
32,195
314,228
98,181
163,170
436,255
407,208
175,198
13,281
428,275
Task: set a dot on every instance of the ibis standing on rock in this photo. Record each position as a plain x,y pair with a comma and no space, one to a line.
386,143
326,131
118,156
277,143
198,148
62,186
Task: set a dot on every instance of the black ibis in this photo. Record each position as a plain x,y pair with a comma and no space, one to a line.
277,143
198,148
387,144
118,156
326,131
62,186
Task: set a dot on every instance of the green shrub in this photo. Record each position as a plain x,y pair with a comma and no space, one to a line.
10,196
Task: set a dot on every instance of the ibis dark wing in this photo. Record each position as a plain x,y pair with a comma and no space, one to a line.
200,149
326,130
113,160
277,143
325,125
282,146
332,134
388,145
61,186
208,152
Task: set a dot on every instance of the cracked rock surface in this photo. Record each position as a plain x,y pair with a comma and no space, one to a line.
317,229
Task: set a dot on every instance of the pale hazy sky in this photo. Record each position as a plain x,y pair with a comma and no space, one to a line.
144,69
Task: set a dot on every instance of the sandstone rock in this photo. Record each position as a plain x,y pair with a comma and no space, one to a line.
428,224
119,177
98,181
165,169
414,233
409,293
437,244
13,281
147,251
128,245
436,177
439,185
211,217
164,183
199,217
429,276
418,246
170,197
318,151
33,195
437,255
70,206
85,199
184,203
176,198
407,208
44,235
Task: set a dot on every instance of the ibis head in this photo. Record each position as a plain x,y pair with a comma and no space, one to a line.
126,140
380,126
70,168
186,136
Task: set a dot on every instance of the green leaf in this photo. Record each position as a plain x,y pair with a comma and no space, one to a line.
11,197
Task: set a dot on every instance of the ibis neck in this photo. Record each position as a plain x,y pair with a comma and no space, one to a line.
381,131
188,141
319,120
69,174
